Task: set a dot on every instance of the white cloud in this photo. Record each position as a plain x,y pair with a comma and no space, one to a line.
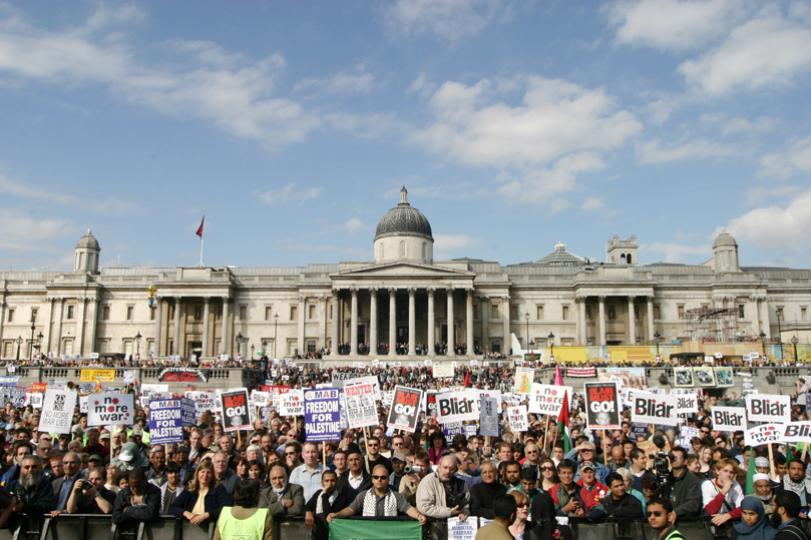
672,24
238,97
450,20
108,205
795,159
549,185
674,252
358,82
592,203
739,125
653,152
25,232
354,224
422,86
449,245
553,119
777,227
766,51
289,193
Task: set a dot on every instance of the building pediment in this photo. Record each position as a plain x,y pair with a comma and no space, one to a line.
402,270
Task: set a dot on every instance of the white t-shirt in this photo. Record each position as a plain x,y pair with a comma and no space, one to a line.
733,498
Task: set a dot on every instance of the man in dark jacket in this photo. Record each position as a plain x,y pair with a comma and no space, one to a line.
139,501
32,494
325,501
618,503
685,487
787,507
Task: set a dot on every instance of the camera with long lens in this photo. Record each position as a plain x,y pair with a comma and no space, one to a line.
416,469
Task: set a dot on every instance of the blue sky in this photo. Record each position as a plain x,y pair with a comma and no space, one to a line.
514,125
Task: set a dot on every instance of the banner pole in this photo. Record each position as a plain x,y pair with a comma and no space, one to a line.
366,443
545,436
771,461
201,251
324,454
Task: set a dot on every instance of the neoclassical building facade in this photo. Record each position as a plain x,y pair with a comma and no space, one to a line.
402,303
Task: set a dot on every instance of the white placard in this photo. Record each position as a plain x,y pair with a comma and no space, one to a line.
686,403
797,432
517,417
110,409
57,411
774,408
361,407
34,399
443,371
260,399
548,398
292,403
763,434
457,406
524,377
83,404
366,380
650,408
462,530
728,418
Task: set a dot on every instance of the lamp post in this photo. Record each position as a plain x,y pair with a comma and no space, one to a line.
33,328
551,338
39,343
275,332
252,349
19,344
763,343
656,337
526,316
240,341
794,342
138,337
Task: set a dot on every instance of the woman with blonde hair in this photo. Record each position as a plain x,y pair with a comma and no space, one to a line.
722,495
520,527
203,499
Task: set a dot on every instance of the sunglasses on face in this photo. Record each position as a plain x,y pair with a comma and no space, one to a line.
379,477
547,469
522,505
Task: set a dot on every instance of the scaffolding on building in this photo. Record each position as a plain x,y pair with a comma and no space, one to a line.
713,324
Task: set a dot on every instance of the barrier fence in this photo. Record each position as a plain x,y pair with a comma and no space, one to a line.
100,527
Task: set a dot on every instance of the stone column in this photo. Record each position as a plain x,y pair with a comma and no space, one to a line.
80,327
431,323
392,322
602,321
176,344
758,330
302,308
158,325
93,323
2,320
505,322
631,321
59,327
322,318
372,321
353,325
45,346
485,307
224,348
649,310
335,327
451,336
764,316
206,310
582,334
412,322
469,321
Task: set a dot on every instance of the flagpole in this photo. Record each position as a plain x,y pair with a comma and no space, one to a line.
201,250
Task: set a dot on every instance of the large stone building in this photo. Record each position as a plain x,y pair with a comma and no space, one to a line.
400,300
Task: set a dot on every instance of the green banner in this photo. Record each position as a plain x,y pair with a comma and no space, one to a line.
361,529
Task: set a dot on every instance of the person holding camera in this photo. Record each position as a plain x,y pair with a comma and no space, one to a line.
414,474
685,487
90,496
441,495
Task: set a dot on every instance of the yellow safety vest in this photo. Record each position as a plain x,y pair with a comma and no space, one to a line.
252,528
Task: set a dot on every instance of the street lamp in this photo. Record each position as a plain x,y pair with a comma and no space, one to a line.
794,342
19,344
33,328
551,338
526,316
138,337
656,337
252,349
240,341
275,332
763,343
39,343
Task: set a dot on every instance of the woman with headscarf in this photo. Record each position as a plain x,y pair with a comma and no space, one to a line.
754,524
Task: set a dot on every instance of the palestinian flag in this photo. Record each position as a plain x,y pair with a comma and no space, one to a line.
750,474
563,424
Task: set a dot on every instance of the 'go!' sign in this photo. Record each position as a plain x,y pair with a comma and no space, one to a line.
236,413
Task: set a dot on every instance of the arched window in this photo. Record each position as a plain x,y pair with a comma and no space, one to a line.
622,259
628,259
402,249
423,250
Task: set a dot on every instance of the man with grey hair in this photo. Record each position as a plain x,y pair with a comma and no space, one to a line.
441,495
308,474
33,494
63,486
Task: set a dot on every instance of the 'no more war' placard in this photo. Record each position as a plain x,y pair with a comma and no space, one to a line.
167,418
292,403
774,408
547,398
457,406
517,418
405,409
763,434
57,411
648,408
110,409
236,414
728,418
322,414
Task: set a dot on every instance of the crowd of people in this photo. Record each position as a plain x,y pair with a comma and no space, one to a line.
526,485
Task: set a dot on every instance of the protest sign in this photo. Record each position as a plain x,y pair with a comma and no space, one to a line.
203,401
517,418
34,399
13,394
236,414
443,371
488,419
658,409
361,408
686,434
763,434
260,399
83,404
405,409
292,403
371,380
548,399
768,408
797,432
602,405
728,418
724,377
57,411
110,409
462,530
683,377
704,375
457,406
167,418
686,403
322,415
524,377
97,375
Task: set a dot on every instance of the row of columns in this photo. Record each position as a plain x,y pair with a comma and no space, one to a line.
177,305
601,322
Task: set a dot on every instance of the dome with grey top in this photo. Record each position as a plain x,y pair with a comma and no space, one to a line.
404,220
88,241
561,257
724,239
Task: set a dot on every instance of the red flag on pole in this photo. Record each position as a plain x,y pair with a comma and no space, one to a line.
200,228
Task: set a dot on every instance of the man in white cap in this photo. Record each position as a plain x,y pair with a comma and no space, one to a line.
763,490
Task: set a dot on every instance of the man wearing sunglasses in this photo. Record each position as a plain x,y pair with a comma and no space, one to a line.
379,501
662,519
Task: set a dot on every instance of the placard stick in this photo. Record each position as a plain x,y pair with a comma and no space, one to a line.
805,452
545,435
324,454
366,443
771,460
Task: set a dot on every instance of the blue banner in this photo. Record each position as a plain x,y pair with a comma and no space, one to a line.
322,414
166,419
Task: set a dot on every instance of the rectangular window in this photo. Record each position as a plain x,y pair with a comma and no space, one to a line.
152,313
268,312
539,312
130,312
218,313
680,311
494,313
513,313
565,313
70,313
7,346
612,313
198,313
311,313
293,313
741,311
105,313
243,312
803,313
11,315
778,311
657,311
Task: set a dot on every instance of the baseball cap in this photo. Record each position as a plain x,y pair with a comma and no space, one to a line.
761,462
587,465
94,457
399,456
104,435
128,452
